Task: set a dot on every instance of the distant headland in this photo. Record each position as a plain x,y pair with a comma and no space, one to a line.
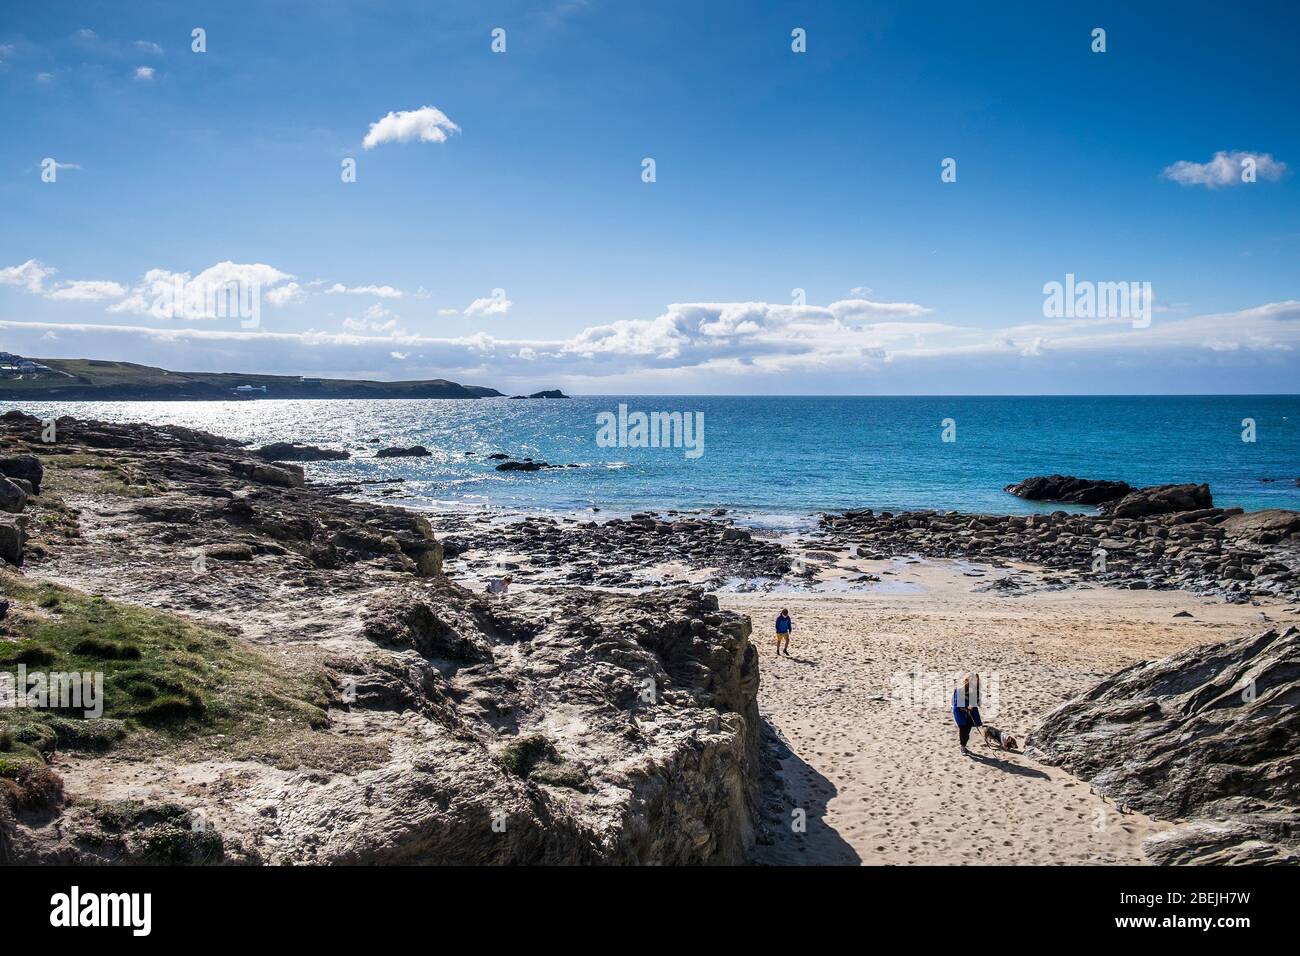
95,380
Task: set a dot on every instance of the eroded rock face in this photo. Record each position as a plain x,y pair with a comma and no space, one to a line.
1083,491
550,726
1210,736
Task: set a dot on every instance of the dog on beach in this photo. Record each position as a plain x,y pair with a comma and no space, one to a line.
998,738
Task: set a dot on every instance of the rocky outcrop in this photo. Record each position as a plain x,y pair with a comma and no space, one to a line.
1191,549
550,726
614,553
1082,491
1210,736
288,451
1161,500
1263,527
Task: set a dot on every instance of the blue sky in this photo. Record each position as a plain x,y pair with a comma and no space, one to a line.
775,171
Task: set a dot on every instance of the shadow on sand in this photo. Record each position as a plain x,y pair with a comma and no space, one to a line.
798,660
789,783
1007,766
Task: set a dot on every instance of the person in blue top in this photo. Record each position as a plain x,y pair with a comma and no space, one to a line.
783,629
965,709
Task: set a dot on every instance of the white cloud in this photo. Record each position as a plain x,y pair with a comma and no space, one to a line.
83,290
44,77
286,295
495,304
375,319
427,124
1224,169
31,274
855,309
159,286
148,46
383,291
144,73
368,325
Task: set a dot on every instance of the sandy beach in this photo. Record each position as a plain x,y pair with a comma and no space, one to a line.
882,781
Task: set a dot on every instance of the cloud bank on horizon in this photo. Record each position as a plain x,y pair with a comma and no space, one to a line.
734,347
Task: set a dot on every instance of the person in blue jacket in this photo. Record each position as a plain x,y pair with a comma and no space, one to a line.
965,709
783,629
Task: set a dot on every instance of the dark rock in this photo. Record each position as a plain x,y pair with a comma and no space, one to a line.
1083,491
13,536
1210,735
12,498
415,451
27,467
287,451
230,552
528,465
1159,500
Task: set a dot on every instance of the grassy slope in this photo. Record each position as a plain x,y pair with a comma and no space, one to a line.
167,680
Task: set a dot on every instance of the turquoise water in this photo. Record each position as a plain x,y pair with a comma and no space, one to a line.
779,460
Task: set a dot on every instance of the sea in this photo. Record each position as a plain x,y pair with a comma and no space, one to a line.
774,462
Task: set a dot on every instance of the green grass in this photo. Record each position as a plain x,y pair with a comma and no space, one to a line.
163,675
533,757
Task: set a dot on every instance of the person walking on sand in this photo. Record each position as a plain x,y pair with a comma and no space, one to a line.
965,708
783,629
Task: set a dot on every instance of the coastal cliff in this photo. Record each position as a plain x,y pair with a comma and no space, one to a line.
95,380
288,677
